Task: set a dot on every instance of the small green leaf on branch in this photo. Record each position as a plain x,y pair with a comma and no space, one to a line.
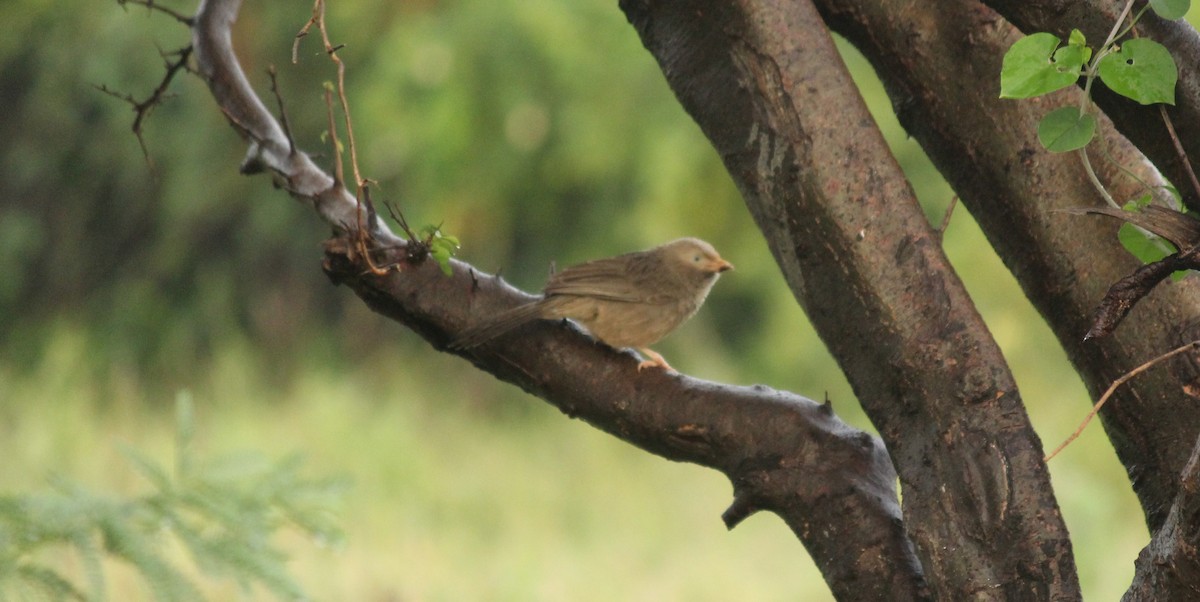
1148,248
1142,70
441,247
1066,129
1035,65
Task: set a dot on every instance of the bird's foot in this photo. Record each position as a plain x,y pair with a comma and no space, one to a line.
655,360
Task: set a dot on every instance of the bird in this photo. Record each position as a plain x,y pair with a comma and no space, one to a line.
628,301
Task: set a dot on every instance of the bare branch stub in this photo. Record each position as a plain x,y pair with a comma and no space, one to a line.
1126,292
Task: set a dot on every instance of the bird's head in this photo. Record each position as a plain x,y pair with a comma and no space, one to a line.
695,256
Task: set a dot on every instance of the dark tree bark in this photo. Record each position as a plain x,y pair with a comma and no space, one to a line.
1017,192
764,82
859,255
1167,568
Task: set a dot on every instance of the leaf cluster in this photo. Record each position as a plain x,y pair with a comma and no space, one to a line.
1139,69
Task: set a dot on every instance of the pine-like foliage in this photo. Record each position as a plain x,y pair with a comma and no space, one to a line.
222,511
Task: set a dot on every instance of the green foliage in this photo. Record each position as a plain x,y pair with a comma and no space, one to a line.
1066,129
1139,69
1141,244
1171,9
1142,70
441,246
224,512
1035,65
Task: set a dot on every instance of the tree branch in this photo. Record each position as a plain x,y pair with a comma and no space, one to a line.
270,147
1169,567
832,484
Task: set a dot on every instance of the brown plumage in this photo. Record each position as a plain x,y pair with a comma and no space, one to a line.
631,300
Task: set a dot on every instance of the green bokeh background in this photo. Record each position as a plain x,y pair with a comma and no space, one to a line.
536,131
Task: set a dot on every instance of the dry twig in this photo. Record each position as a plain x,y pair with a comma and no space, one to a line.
1113,387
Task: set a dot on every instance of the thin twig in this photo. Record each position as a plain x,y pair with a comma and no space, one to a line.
1113,387
946,216
1112,35
1183,158
150,4
338,172
143,107
1091,173
1087,96
283,118
300,35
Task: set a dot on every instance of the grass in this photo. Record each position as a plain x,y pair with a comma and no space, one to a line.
460,492
466,489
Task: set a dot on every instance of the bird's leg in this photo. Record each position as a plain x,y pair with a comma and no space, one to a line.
655,360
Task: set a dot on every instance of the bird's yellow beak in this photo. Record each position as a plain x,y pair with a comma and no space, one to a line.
721,265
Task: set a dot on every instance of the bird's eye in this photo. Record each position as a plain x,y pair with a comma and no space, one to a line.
696,259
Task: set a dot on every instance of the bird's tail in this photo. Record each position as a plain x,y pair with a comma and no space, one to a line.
497,325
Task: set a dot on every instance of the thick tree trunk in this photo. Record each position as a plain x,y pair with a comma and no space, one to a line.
987,148
766,85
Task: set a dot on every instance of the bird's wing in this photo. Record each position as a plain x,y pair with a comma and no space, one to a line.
608,279
497,325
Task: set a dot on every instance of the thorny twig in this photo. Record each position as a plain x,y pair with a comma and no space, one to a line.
366,211
1183,158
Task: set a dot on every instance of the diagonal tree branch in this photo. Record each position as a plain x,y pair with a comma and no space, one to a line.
832,484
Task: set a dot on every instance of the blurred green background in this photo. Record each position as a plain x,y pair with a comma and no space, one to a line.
536,132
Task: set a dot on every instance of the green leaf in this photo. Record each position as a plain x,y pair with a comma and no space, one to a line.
1076,38
1031,67
1171,9
1148,248
1142,70
1066,129
1138,203
441,255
